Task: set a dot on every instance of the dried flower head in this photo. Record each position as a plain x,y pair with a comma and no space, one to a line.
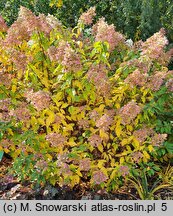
53,22
65,169
5,78
57,53
94,115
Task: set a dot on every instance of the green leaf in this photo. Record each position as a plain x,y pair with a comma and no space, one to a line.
1,155
169,147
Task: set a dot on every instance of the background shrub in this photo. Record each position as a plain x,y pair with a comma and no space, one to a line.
138,19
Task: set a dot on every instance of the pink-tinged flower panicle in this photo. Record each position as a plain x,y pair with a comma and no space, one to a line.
16,34
41,165
154,46
23,28
106,33
104,122
99,177
83,123
95,140
129,112
142,134
53,22
40,100
156,80
65,169
98,75
87,17
5,104
136,79
137,156
94,115
21,112
169,85
19,59
85,164
56,139
158,139
44,26
57,53
124,170
5,78
71,60
3,25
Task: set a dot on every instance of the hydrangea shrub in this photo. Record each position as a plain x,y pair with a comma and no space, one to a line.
77,105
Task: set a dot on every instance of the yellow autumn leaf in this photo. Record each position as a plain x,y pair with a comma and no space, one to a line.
49,157
100,163
100,148
75,180
13,89
78,172
117,105
58,96
10,132
56,127
71,142
78,84
124,142
150,148
136,143
118,128
50,119
41,121
121,160
104,135
45,82
101,108
33,121
146,156
104,170
113,174
129,127
64,105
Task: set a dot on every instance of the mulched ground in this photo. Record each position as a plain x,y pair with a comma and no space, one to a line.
12,189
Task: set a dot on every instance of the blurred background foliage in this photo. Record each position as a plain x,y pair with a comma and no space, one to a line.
137,19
